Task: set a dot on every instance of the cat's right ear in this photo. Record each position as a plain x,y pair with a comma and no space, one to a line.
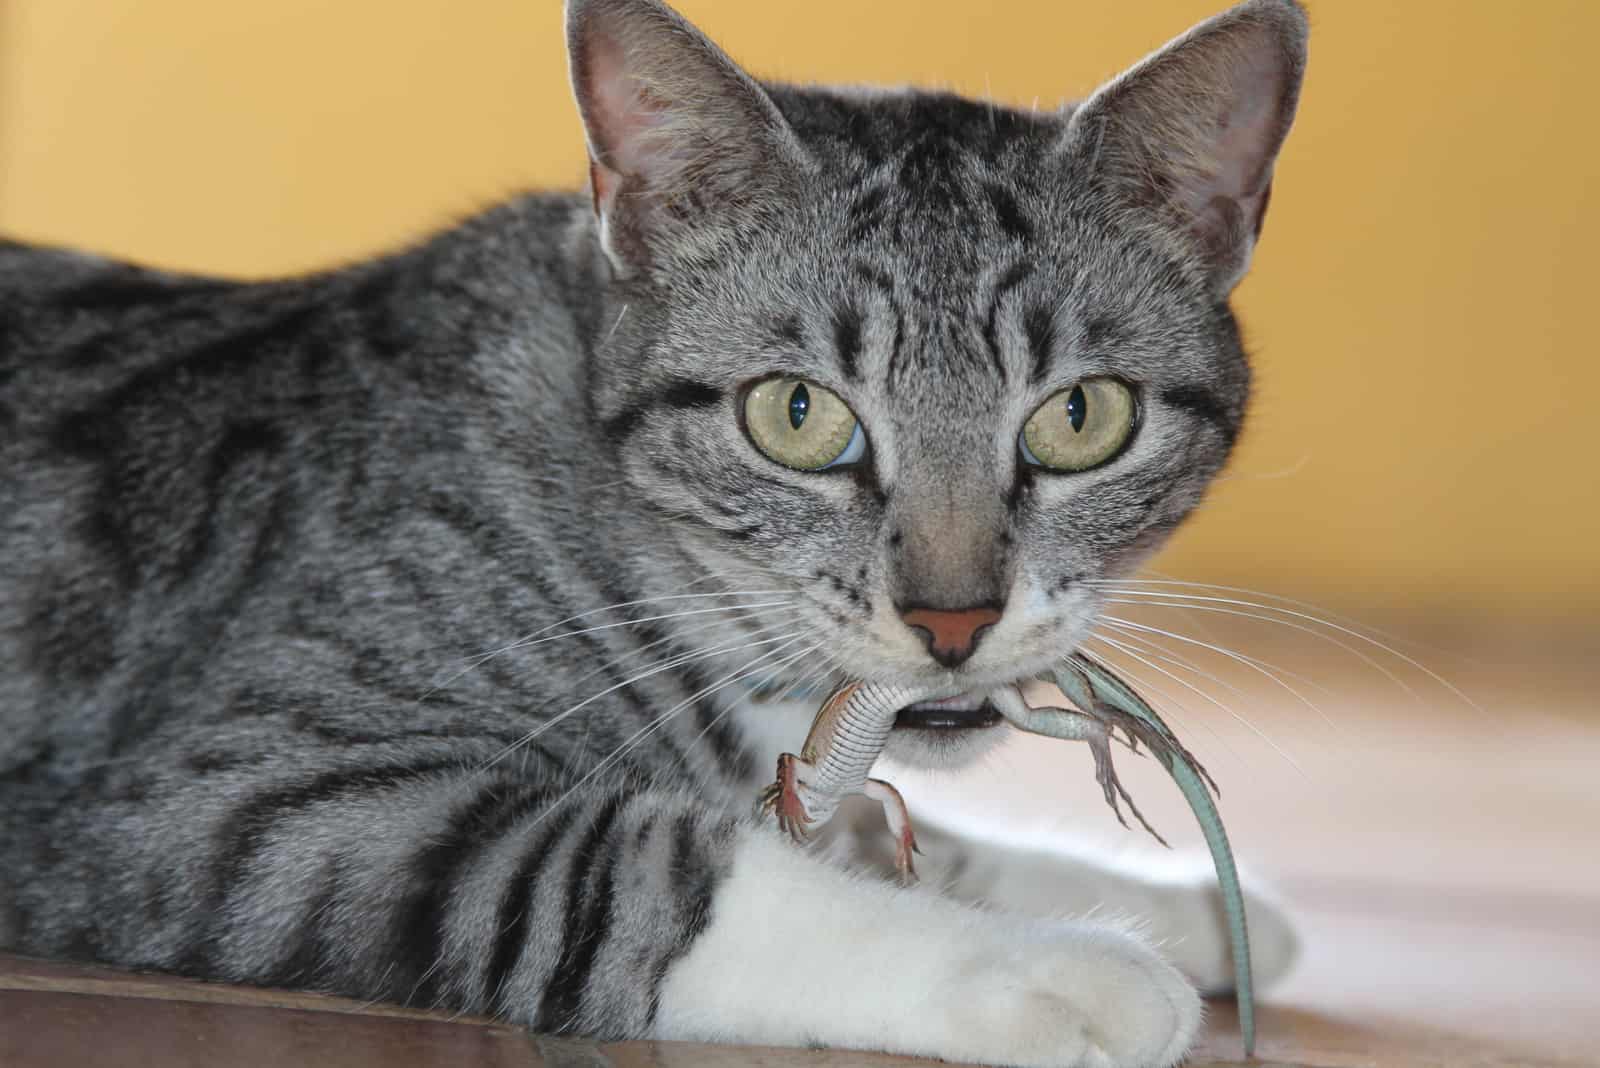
682,143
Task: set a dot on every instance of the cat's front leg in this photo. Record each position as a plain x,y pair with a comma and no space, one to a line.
799,952
1180,911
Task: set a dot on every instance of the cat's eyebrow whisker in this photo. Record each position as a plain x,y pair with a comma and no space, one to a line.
1189,685
658,722
655,669
1126,625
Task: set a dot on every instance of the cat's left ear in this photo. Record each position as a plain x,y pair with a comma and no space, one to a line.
683,145
1184,143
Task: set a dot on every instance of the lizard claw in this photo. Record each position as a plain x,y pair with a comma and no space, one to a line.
783,799
902,857
1105,773
894,810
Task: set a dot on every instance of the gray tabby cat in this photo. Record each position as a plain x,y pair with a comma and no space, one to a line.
814,384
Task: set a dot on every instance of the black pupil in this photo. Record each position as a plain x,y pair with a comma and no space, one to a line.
799,404
1077,408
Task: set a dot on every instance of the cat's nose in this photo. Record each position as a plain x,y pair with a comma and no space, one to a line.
951,636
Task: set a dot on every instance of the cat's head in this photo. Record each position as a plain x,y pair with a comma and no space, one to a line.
934,364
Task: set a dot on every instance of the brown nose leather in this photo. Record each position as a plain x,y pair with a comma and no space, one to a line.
951,635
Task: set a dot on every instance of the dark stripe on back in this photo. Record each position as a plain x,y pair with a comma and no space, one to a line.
123,290
238,442
1201,402
212,359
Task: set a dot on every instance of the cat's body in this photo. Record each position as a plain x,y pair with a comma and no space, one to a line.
255,536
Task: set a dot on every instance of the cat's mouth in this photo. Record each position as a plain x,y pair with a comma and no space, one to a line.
965,711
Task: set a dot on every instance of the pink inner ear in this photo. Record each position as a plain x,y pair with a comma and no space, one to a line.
622,117
1247,133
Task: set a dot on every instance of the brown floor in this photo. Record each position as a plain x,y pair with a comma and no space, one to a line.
1443,864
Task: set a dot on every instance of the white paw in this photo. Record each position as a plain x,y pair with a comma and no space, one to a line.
1180,912
1061,995
799,953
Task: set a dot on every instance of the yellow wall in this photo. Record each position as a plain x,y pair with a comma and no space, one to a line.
1421,306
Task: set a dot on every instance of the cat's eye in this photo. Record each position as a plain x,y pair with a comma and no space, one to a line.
802,425
1080,427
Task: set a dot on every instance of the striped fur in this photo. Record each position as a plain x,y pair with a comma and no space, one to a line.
391,631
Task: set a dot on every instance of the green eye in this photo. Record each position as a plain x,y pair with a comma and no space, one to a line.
1080,427
802,425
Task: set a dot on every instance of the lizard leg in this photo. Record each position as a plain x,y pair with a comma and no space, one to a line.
1073,725
894,810
783,798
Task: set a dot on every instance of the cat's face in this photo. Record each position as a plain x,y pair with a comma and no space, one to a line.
933,365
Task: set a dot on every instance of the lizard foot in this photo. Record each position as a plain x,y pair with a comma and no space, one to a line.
1105,773
782,799
894,810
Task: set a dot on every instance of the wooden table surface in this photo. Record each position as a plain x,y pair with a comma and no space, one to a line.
1443,863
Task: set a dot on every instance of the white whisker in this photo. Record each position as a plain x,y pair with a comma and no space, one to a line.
682,635
657,723
535,639
770,669
1141,598
1188,685
655,669
1358,628
1173,702
1250,662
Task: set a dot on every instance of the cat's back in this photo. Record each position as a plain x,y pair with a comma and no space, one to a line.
181,453
74,325
76,328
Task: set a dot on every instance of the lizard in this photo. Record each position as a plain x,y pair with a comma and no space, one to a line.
854,724
840,749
